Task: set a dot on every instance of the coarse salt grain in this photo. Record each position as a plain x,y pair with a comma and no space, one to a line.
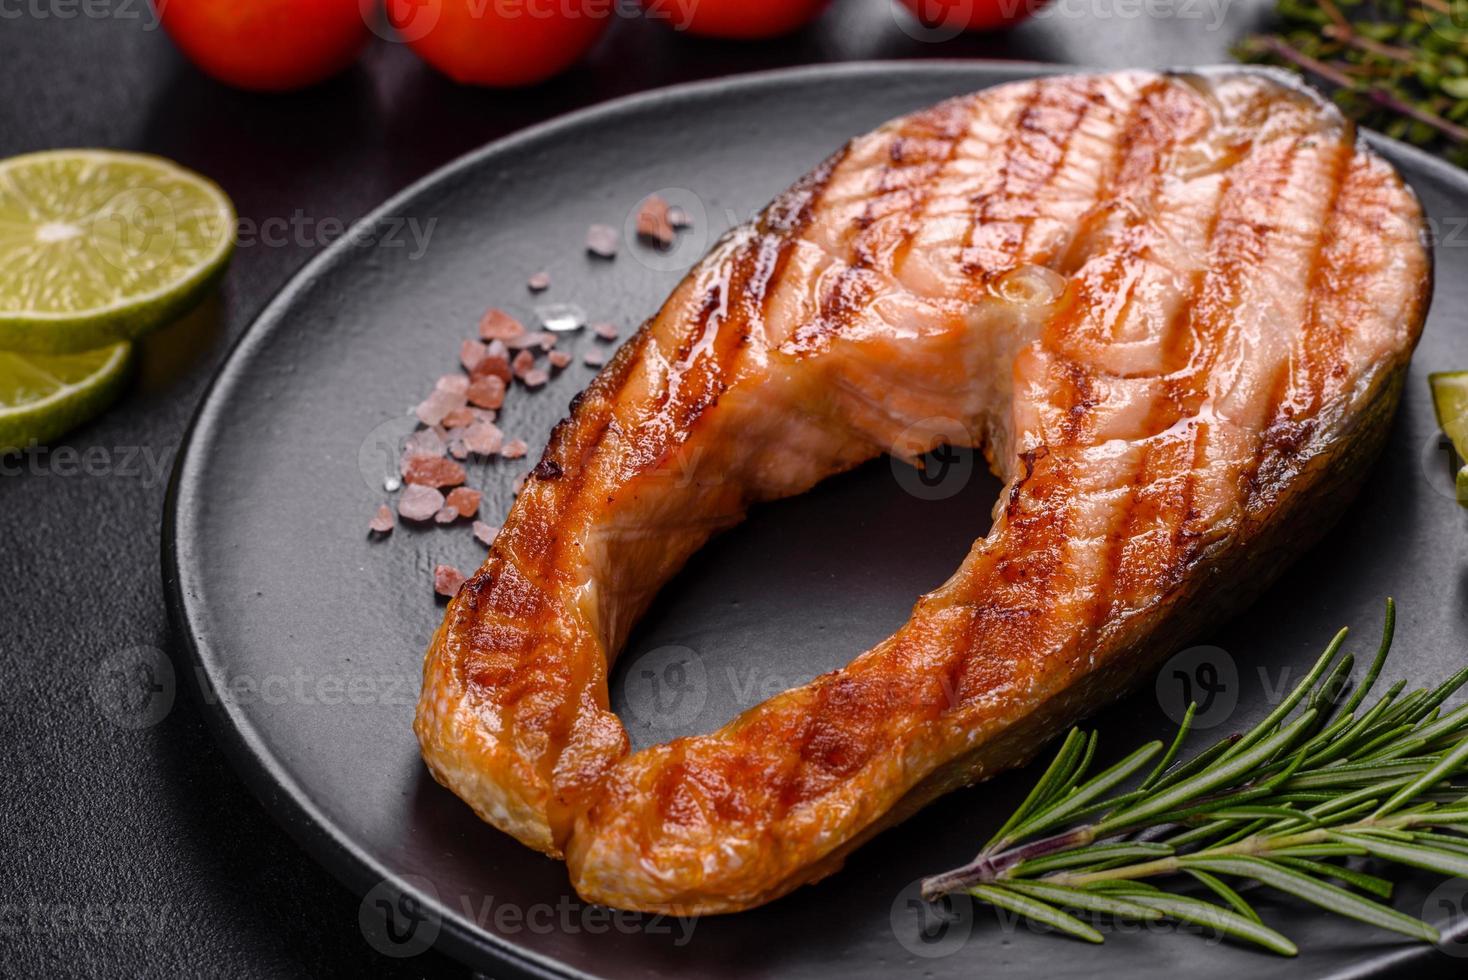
601,241
488,392
558,359
484,438
561,317
419,503
432,471
498,325
447,580
471,352
465,501
486,533
423,442
458,418
653,224
382,523
523,362
514,449
438,404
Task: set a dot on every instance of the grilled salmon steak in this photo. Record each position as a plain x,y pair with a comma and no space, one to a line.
1174,311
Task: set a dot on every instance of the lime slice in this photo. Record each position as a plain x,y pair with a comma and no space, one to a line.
1450,399
42,396
98,246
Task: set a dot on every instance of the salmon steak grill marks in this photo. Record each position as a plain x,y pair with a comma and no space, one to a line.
1174,312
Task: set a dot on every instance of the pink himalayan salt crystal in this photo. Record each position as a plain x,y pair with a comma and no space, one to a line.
543,339
605,331
484,414
452,382
653,224
496,363
437,405
559,359
432,471
601,241
446,515
383,522
471,352
539,282
523,362
499,325
536,378
419,503
458,449
457,419
424,442
594,358
514,449
447,580
488,392
485,533
484,438
465,501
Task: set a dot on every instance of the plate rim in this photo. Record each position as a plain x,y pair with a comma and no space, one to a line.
287,801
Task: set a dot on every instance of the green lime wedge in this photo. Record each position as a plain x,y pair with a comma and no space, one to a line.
1450,399
42,396
98,246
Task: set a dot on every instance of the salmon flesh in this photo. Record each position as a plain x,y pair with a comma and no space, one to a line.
1173,310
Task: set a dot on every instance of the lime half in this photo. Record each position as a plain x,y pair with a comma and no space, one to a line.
98,246
1450,399
42,396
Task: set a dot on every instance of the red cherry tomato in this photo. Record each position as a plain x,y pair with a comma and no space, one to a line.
267,45
743,19
500,42
971,15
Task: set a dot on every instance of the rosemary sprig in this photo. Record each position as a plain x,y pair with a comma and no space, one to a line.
1400,66
1326,777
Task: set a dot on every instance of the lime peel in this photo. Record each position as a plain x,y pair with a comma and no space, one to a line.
99,246
1450,402
44,396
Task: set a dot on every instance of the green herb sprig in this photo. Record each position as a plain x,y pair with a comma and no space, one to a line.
1399,66
1325,778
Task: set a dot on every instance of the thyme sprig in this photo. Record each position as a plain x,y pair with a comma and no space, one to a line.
1324,779
1399,66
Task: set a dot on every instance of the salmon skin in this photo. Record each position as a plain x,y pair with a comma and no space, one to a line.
1174,311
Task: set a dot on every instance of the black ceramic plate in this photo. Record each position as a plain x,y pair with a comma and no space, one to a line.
308,636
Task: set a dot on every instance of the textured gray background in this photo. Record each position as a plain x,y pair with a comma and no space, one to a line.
99,820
